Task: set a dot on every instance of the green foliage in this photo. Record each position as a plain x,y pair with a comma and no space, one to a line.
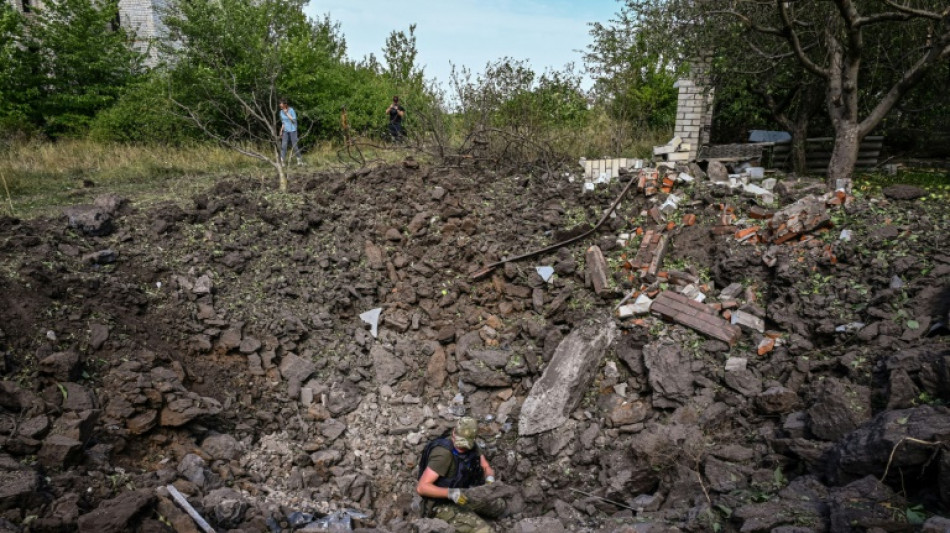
16,67
635,63
508,94
235,52
142,115
84,61
400,55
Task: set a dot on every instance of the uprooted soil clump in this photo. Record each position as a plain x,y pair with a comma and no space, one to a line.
769,369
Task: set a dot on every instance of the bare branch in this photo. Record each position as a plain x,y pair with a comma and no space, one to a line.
750,23
918,12
939,51
793,39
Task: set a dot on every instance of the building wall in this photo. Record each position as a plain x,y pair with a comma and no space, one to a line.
142,17
694,107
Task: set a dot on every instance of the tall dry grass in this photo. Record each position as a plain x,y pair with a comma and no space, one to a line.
37,175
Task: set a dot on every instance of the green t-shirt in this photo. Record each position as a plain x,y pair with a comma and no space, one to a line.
443,463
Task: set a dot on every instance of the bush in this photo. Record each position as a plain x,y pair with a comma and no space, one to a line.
142,114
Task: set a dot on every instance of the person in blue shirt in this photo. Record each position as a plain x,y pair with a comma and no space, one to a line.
288,131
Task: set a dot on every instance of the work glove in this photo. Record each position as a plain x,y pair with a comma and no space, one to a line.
489,479
457,496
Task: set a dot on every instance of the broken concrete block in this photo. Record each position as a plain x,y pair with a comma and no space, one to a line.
663,150
717,172
675,142
805,215
736,364
678,156
703,318
684,178
596,269
760,193
748,321
756,173
693,293
566,378
731,292
670,205
769,184
639,307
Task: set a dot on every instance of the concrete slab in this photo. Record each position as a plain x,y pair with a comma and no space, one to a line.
566,378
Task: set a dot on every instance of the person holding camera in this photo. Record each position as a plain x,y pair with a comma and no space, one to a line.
396,113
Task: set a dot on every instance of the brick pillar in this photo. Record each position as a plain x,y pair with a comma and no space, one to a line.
694,108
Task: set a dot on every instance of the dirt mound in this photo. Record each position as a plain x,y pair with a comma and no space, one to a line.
217,346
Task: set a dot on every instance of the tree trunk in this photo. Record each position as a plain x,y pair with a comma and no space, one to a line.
797,149
844,155
281,171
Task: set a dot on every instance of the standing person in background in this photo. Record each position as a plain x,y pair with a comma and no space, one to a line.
396,112
288,131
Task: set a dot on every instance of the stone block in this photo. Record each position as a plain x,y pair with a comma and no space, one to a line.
748,321
596,269
566,378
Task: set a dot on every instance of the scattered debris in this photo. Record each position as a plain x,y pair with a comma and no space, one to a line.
546,272
371,317
695,315
807,214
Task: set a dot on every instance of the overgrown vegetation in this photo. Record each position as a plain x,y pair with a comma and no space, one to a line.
69,71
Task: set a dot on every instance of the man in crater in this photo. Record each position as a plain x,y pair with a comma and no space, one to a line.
449,465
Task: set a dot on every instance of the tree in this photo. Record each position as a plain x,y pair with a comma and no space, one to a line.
635,61
235,59
400,54
84,59
835,42
17,66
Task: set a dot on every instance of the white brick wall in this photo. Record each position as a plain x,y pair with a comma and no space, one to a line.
694,109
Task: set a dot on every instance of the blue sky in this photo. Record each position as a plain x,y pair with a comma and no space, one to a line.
547,33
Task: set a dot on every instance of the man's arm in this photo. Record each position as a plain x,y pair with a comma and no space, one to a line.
489,471
426,486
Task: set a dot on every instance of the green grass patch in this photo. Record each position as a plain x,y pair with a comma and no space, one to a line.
936,182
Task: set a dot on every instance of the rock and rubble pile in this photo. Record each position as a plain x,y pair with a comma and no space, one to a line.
712,359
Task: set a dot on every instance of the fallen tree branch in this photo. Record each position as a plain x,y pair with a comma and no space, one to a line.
601,498
896,446
489,268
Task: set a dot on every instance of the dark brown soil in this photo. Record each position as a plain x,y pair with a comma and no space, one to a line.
195,343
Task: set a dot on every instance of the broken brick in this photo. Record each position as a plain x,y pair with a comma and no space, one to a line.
650,255
766,345
695,315
722,230
647,181
760,213
689,220
745,234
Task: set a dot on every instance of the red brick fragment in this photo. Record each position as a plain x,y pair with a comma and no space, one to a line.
682,310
